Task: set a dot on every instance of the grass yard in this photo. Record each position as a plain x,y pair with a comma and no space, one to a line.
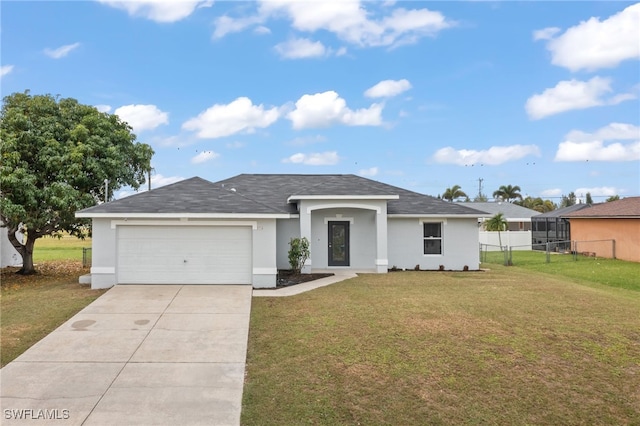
64,248
610,272
508,346
32,306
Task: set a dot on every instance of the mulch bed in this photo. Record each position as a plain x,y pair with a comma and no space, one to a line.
287,278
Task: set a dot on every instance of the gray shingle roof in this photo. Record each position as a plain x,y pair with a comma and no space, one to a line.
509,210
562,212
257,194
626,207
194,195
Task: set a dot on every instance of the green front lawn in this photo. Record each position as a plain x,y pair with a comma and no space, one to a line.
33,306
64,248
610,272
508,346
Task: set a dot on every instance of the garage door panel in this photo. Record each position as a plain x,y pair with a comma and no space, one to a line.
184,255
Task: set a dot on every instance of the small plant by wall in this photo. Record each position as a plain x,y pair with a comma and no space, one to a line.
298,253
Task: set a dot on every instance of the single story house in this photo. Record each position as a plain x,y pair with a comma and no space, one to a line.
237,231
553,227
518,218
518,232
609,229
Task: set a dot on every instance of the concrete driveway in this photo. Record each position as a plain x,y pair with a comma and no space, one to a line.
138,355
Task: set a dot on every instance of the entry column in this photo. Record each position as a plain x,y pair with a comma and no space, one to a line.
382,261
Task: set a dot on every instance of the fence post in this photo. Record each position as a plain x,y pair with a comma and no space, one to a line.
548,252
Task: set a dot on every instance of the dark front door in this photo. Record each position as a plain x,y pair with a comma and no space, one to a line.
338,243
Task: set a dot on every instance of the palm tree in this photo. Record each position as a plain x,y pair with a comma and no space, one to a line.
508,193
453,193
496,223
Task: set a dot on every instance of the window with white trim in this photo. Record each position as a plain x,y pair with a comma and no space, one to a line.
432,233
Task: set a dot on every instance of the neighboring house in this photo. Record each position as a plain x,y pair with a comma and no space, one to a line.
237,231
553,227
593,229
518,219
9,256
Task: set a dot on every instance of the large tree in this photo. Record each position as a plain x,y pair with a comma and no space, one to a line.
56,156
453,193
508,193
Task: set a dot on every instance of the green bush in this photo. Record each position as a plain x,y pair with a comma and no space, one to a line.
298,253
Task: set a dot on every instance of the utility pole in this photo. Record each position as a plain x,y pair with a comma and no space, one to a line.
480,187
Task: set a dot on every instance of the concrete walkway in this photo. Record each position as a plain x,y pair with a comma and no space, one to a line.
141,355
301,288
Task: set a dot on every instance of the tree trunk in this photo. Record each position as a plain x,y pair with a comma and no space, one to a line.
27,257
25,250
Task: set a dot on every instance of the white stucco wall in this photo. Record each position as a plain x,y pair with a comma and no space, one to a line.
103,254
460,241
286,229
103,259
265,269
9,256
518,240
362,237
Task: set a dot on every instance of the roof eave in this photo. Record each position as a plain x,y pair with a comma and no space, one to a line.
447,215
293,198
183,215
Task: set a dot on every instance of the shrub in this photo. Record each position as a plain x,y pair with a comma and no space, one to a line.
298,253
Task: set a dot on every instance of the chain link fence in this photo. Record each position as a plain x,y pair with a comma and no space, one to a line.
86,257
551,252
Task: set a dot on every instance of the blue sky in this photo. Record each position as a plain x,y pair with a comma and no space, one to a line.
422,95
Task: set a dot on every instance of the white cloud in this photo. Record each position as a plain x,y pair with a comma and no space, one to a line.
158,10
157,181
555,192
222,120
142,117
595,44
299,48
348,20
388,88
326,109
612,131
204,156
372,171
5,69
261,29
328,158
226,25
103,108
571,95
582,146
492,156
598,191
61,51
546,33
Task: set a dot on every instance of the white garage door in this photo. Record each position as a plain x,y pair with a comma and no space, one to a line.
184,254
